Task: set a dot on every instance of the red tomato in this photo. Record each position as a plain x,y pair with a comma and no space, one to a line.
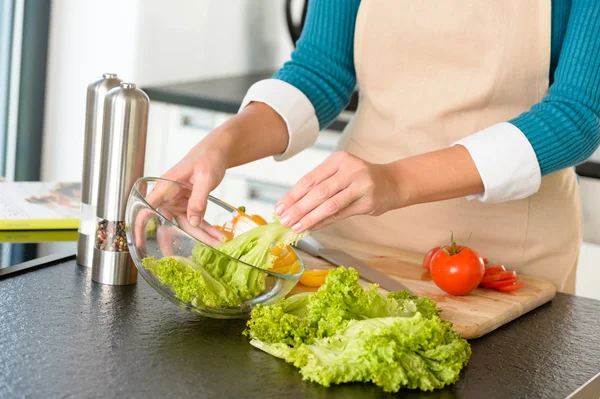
494,269
428,255
457,271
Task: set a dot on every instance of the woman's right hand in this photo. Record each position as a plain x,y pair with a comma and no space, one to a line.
203,168
256,132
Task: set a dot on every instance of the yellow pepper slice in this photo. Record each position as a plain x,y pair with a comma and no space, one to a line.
285,258
313,278
287,269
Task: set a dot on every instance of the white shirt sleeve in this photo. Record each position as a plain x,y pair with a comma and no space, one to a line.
502,154
293,106
506,163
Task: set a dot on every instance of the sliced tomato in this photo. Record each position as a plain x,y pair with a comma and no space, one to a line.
498,283
499,276
511,287
494,269
508,281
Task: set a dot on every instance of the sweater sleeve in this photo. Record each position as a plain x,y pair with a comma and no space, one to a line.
311,89
564,128
561,131
322,65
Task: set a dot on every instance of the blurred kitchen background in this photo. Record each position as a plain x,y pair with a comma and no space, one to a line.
195,59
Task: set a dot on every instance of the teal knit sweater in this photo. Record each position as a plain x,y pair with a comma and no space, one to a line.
564,128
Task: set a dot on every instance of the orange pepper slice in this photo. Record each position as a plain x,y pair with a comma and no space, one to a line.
285,259
276,251
287,269
228,233
313,278
258,220
255,218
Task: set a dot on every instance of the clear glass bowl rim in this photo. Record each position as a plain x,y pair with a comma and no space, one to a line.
221,204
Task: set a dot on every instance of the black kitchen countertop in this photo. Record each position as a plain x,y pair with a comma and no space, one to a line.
62,335
226,95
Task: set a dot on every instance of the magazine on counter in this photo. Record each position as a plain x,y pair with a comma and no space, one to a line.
39,205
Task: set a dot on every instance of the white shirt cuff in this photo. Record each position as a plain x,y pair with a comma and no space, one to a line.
506,163
293,106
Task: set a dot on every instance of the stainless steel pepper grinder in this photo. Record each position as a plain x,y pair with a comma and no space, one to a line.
122,163
92,150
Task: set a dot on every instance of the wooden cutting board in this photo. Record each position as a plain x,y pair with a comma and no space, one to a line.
473,315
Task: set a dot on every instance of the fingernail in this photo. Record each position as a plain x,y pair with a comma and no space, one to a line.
285,220
195,221
279,208
296,228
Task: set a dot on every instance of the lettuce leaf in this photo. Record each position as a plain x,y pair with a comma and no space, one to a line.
320,314
392,352
346,333
190,282
219,278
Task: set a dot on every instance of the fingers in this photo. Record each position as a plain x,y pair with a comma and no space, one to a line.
198,200
325,199
204,232
333,207
355,208
161,192
307,183
140,224
165,236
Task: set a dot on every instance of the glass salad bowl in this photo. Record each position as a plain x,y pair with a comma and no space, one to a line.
198,268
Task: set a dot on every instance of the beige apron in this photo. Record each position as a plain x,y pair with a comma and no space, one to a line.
431,72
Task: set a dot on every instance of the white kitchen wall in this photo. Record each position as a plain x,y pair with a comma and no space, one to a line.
148,42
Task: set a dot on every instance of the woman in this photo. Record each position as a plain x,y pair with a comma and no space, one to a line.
471,117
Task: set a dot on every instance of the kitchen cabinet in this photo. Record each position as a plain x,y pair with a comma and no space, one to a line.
174,129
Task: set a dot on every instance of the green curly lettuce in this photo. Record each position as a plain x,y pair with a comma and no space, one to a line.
252,248
190,282
340,299
219,278
392,352
425,306
346,333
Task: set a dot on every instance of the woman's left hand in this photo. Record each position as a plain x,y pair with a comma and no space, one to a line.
342,186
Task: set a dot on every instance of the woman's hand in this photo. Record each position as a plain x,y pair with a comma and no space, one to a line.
342,186
203,168
345,185
256,132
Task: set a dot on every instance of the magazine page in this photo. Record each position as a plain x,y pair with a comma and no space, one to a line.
39,205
